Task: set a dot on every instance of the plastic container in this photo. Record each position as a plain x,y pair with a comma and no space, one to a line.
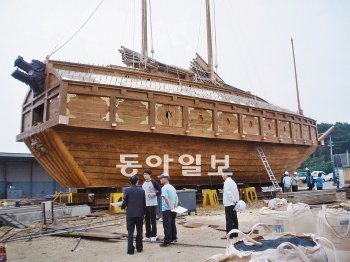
3,254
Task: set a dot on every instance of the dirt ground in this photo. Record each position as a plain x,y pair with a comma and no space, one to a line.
56,248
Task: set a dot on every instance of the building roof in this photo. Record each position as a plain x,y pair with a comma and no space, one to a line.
15,155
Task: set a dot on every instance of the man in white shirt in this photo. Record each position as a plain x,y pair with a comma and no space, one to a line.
152,190
230,199
295,179
287,182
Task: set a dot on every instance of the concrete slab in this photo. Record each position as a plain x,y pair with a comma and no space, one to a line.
28,216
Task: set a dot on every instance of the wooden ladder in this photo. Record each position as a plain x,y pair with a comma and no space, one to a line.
268,168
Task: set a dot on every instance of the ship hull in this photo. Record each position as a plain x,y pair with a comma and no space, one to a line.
89,117
82,158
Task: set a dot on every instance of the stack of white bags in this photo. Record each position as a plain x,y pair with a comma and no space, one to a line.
281,216
329,228
330,223
334,224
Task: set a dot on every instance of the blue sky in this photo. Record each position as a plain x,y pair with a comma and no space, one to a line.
253,47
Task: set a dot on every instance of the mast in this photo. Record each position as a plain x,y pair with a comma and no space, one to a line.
209,42
300,111
144,50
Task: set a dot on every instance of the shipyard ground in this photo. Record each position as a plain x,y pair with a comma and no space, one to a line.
59,248
55,248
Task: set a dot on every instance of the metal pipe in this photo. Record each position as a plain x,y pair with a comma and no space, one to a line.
58,232
55,230
31,177
76,245
5,178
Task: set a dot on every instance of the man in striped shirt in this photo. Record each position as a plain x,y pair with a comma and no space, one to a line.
152,190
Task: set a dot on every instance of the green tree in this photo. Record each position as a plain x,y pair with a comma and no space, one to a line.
321,159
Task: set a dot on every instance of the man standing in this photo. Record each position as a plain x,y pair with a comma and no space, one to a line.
295,182
135,204
287,182
152,190
169,202
337,179
309,180
319,181
282,184
230,199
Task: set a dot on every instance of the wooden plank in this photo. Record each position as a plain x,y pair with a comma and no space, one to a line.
312,197
37,129
96,234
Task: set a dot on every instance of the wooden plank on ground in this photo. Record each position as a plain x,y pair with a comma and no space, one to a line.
96,234
312,197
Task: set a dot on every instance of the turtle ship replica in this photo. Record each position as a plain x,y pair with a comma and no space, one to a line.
79,119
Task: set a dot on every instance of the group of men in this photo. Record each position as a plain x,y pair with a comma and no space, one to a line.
310,181
141,204
289,182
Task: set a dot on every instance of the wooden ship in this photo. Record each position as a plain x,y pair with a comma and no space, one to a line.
78,119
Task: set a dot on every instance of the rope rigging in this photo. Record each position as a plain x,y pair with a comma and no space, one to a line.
76,32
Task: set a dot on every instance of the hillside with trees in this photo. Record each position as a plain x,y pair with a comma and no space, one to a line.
321,159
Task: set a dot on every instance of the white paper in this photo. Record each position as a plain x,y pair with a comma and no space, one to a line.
117,204
180,210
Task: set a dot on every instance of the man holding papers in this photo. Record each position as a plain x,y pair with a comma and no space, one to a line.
169,202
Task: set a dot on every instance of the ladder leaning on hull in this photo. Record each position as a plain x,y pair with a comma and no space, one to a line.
268,168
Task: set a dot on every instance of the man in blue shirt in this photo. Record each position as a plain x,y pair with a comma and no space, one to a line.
319,182
309,180
169,202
